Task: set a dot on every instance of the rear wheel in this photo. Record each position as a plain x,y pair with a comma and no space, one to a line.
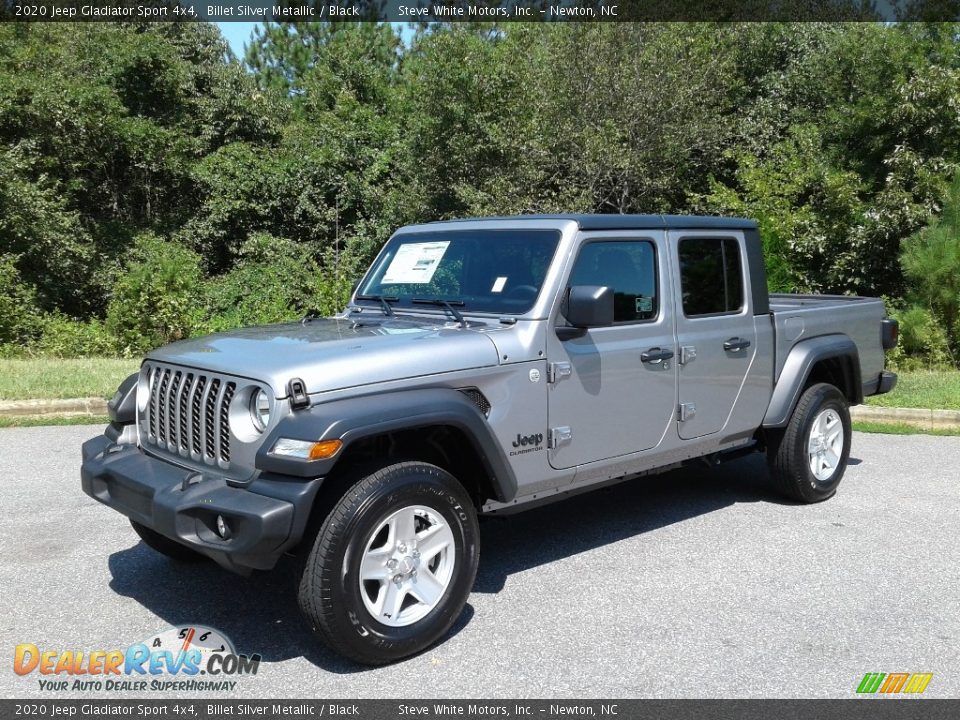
807,459
393,564
164,545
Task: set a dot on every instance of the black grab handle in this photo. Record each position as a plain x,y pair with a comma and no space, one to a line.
735,343
655,355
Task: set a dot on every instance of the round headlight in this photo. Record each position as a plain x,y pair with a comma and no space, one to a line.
260,409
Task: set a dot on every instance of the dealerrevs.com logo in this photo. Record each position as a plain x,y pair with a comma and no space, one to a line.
184,659
894,683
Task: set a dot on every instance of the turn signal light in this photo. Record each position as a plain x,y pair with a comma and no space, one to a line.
324,449
306,449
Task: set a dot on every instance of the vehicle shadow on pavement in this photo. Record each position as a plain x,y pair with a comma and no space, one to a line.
514,543
258,613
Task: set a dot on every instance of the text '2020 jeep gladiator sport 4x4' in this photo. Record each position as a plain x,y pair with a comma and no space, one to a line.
482,366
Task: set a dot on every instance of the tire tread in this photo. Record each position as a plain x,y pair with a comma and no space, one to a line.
320,568
789,477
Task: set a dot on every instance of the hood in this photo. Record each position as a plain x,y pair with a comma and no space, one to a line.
334,353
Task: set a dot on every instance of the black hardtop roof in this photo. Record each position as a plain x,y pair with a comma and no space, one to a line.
633,222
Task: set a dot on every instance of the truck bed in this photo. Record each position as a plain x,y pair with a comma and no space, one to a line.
801,317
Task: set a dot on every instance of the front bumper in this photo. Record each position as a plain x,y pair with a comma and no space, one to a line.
265,517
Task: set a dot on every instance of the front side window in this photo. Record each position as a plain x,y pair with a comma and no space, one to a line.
496,271
629,268
711,276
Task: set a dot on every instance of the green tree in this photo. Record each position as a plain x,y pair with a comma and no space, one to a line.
839,138
18,315
931,262
351,55
52,248
588,117
845,135
101,126
158,297
271,282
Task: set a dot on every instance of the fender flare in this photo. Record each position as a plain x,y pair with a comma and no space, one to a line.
122,407
356,418
796,369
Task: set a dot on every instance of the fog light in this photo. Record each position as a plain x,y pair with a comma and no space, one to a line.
222,529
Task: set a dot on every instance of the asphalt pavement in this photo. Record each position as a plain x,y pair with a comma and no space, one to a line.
697,583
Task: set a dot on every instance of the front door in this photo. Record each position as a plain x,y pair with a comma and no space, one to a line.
715,329
605,400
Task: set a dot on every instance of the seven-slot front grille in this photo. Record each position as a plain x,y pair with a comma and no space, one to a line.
188,413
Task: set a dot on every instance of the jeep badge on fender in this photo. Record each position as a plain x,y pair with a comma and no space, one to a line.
528,439
393,425
528,443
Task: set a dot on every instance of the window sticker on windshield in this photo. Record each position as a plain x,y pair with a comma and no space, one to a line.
498,284
415,263
644,304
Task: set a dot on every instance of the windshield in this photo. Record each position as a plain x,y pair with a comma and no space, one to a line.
495,271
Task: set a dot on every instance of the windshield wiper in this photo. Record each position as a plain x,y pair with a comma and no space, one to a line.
447,305
384,301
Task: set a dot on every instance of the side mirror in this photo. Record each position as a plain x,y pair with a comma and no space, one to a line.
590,306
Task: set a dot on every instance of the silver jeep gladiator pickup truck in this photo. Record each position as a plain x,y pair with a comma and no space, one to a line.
482,366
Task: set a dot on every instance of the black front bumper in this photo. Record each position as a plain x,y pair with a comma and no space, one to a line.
265,517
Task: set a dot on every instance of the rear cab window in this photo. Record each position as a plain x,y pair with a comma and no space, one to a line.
711,276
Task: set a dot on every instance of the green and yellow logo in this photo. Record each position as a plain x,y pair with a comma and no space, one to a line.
890,683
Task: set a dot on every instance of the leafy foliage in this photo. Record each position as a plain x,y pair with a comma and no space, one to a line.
18,315
157,299
923,343
64,337
931,261
271,282
152,186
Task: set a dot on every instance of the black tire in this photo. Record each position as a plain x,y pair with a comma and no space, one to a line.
166,546
330,590
787,451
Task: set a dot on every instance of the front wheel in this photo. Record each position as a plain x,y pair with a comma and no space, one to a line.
807,459
393,564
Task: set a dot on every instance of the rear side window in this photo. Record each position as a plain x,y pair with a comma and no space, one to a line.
629,268
711,276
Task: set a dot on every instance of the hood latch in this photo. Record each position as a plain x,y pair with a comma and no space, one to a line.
297,391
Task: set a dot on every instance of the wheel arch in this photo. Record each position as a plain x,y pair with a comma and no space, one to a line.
831,359
437,425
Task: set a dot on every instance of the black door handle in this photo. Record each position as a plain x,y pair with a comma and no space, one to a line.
655,355
735,343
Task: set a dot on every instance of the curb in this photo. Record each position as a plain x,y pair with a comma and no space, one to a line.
930,419
92,406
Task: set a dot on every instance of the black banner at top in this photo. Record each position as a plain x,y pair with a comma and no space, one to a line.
430,11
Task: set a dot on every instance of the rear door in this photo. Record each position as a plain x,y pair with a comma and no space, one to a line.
604,400
715,328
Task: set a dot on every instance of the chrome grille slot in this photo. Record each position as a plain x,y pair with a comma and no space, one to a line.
225,422
183,416
162,397
152,414
173,414
188,414
194,423
209,412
